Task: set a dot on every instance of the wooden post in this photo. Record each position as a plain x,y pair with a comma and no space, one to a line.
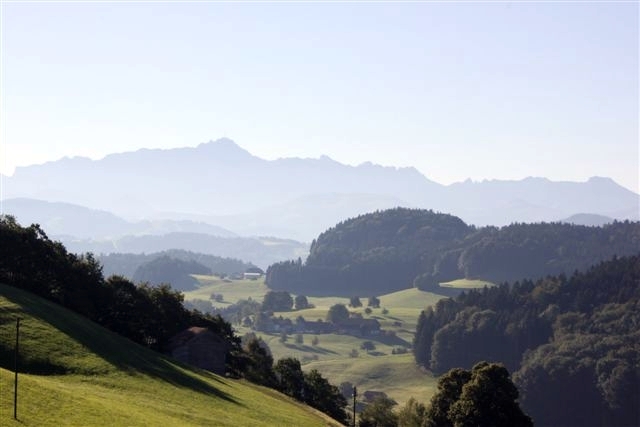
15,370
355,394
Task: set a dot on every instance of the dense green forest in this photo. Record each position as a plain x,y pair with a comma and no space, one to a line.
166,269
147,315
126,264
573,342
396,249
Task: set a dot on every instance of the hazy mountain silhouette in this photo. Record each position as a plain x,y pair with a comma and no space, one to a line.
261,251
222,184
68,219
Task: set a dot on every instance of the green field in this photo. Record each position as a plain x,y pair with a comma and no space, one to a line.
97,378
396,375
380,370
232,290
467,284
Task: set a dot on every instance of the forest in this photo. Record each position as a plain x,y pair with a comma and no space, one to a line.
396,249
573,343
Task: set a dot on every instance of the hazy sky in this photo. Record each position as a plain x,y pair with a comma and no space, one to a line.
458,90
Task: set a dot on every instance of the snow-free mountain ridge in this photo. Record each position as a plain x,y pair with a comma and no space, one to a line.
224,185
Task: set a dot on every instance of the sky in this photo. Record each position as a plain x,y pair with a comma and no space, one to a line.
458,90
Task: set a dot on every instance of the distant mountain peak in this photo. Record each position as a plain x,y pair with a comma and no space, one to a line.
224,147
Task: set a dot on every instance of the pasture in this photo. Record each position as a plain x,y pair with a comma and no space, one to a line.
74,372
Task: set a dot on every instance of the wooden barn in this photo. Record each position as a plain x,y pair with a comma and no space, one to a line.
201,348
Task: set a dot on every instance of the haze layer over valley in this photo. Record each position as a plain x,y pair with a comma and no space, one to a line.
220,189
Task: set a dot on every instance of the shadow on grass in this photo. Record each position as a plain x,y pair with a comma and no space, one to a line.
118,351
391,340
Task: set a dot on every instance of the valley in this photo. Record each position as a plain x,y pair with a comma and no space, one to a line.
380,370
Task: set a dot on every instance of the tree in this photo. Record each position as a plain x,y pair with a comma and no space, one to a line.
379,413
299,339
259,367
484,396
355,302
290,377
489,398
315,340
277,301
301,302
337,313
324,396
373,302
448,392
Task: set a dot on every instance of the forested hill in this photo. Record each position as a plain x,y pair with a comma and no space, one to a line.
573,342
395,249
126,264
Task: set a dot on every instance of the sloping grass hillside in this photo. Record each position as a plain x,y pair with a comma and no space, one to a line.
76,373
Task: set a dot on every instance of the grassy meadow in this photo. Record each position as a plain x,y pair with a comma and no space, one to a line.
340,357
232,290
80,374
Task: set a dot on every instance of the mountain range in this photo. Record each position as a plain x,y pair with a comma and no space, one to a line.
219,184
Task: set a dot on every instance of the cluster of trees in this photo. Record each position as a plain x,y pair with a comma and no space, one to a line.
372,302
573,343
277,301
287,376
390,250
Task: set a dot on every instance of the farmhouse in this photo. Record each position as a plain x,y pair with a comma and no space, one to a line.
253,273
359,327
201,348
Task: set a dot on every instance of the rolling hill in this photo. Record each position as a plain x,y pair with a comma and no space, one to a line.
74,372
387,251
